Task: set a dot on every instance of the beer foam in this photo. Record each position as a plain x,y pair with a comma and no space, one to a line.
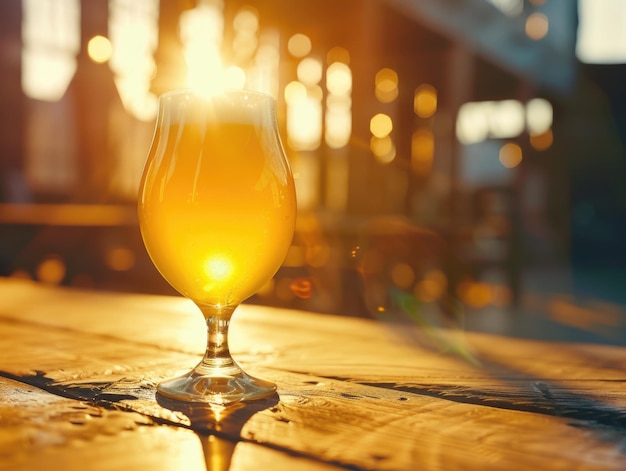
230,106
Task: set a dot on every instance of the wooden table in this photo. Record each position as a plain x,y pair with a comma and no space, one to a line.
77,391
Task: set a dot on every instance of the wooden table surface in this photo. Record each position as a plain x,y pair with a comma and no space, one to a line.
78,371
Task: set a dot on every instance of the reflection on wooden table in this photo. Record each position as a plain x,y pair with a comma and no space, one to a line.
78,371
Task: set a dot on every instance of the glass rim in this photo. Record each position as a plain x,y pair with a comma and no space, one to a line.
225,91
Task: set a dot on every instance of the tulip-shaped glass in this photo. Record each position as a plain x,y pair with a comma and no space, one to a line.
217,210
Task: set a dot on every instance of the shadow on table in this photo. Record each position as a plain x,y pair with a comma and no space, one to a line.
509,387
218,426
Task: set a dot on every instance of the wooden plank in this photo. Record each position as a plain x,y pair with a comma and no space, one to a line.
398,420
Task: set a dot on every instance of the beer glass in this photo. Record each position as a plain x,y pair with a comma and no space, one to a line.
217,210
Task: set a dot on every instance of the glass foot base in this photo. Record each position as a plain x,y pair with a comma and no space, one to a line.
222,390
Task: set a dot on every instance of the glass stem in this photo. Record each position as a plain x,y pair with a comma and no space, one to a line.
217,359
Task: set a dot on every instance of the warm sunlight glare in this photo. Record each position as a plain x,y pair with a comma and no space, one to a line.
133,30
235,77
201,30
50,44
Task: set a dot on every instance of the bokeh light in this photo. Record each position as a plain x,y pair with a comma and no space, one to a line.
538,115
537,26
510,155
402,275
425,101
506,119
383,149
51,269
431,287
299,45
472,123
304,116
309,71
422,151
386,85
475,294
246,20
120,259
542,141
338,78
381,125
99,49
338,126
294,92
338,54
317,255
245,41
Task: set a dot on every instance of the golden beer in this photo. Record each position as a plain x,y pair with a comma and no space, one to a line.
217,203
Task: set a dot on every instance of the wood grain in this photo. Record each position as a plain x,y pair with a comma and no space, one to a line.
352,393
41,431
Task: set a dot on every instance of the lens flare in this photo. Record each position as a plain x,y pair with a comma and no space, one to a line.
218,268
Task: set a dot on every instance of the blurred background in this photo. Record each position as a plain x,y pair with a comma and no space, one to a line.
459,162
